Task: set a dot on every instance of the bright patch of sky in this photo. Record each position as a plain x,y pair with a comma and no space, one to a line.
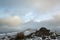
29,16
43,17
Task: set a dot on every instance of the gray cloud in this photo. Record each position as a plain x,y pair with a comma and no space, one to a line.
12,21
44,4
22,7
40,5
14,3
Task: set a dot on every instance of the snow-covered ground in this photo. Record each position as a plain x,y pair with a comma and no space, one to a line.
13,34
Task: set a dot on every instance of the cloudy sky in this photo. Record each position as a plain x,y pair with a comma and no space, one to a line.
14,13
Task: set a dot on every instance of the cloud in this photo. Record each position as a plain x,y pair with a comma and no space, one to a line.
45,5
39,4
21,7
14,3
54,22
11,21
57,16
27,10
